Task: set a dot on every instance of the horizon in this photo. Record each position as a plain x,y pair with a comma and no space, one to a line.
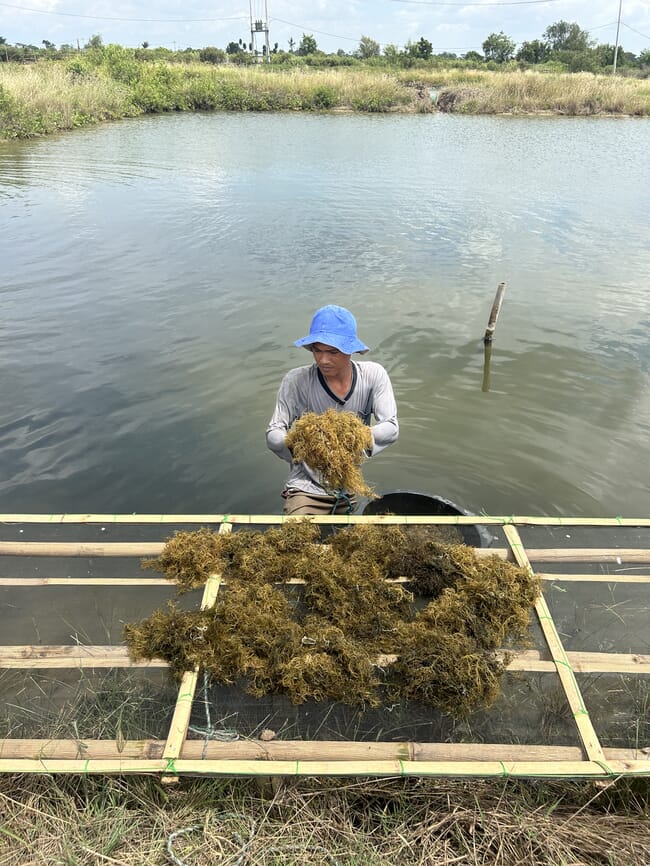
454,27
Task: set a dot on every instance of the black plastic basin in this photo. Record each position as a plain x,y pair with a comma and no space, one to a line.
410,502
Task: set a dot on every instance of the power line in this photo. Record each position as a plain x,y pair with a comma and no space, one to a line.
112,18
638,32
311,30
462,5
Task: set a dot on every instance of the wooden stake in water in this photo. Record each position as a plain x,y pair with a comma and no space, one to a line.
487,354
494,313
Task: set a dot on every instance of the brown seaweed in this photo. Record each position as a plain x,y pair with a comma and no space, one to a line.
334,444
321,642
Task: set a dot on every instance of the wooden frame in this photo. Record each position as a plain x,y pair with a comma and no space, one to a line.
178,756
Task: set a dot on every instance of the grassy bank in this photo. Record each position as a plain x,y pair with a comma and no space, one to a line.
94,820
45,97
577,94
133,821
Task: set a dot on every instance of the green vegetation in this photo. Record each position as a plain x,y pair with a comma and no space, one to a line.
480,92
564,45
63,89
46,97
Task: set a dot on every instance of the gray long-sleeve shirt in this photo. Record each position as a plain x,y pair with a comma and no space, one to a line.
304,390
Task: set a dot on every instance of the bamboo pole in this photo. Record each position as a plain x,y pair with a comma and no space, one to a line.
183,710
363,769
86,581
294,581
251,519
487,355
494,313
60,548
565,672
74,548
42,657
596,578
301,750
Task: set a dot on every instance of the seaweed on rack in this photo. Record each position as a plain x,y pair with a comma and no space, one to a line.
446,670
173,635
251,635
322,642
376,543
429,565
271,556
497,600
331,666
189,558
352,594
432,567
334,444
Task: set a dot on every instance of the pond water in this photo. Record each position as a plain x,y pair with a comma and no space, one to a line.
156,272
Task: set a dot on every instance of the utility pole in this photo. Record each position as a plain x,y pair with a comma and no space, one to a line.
618,27
260,26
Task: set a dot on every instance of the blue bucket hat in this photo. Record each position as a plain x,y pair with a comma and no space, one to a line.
334,326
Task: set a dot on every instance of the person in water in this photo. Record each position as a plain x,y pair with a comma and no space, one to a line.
332,381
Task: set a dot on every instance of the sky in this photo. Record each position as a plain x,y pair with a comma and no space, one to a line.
450,25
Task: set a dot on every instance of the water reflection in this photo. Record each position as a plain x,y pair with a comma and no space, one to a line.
157,271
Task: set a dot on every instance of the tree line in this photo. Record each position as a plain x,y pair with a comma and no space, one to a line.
563,47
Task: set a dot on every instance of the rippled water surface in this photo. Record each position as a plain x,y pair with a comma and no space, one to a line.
156,272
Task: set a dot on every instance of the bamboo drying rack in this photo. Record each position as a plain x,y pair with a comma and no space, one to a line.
177,755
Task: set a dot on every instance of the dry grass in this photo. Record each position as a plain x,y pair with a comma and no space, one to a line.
44,97
358,89
534,92
132,821
65,100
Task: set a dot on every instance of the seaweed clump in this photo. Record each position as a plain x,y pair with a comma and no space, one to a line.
355,600
189,558
334,444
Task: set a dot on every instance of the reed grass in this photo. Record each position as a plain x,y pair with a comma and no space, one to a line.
42,98
131,821
83,820
48,96
577,94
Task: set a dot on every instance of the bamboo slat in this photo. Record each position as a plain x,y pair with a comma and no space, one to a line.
43,657
85,581
163,581
586,730
248,519
137,549
182,711
596,578
73,548
297,750
363,769
177,756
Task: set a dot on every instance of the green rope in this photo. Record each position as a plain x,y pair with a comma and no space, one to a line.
607,769
341,496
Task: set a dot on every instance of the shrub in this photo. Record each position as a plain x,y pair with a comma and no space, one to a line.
324,97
